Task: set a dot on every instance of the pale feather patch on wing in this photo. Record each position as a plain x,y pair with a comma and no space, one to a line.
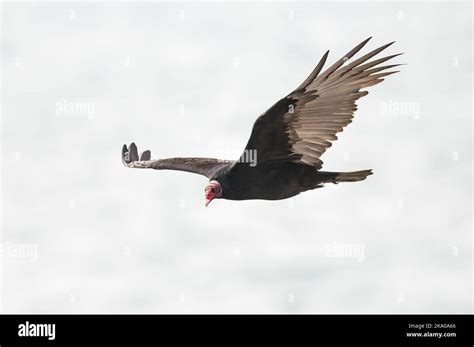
325,104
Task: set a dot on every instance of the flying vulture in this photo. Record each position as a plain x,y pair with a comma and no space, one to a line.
287,141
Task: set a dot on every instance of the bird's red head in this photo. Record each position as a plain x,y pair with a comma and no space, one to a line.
213,191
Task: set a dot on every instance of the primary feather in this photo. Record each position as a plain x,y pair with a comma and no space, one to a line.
301,126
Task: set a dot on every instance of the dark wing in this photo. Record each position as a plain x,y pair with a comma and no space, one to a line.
202,166
300,127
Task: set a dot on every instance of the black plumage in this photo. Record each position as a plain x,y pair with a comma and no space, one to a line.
289,138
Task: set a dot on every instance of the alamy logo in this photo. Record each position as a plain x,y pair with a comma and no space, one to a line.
397,108
66,108
249,156
37,330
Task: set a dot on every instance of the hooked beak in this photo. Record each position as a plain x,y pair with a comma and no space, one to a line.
212,191
208,197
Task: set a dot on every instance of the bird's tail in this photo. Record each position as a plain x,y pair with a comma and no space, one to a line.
354,176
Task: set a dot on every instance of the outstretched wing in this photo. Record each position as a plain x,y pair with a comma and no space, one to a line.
202,166
300,127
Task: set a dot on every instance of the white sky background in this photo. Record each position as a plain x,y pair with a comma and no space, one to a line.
189,80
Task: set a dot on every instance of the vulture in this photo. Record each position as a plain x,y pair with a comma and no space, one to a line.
283,154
